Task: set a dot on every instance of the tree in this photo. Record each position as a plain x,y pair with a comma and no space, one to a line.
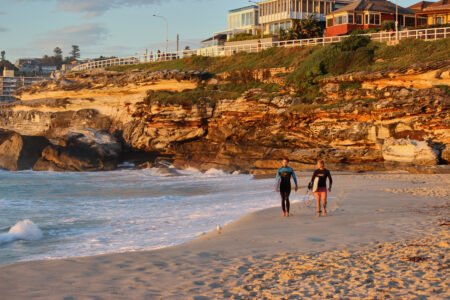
58,56
58,53
75,53
3,53
305,29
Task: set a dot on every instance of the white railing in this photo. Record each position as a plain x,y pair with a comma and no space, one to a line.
257,46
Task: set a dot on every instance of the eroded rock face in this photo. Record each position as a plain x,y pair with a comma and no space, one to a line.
409,151
81,150
20,152
252,133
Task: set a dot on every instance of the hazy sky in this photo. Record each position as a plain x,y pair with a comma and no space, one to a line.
32,28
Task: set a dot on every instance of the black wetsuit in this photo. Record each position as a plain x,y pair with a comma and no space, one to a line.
322,175
285,174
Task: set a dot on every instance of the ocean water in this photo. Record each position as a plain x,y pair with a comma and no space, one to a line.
46,215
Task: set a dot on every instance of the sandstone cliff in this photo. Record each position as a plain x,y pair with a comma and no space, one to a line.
361,119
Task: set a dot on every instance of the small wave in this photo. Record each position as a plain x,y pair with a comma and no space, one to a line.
23,230
215,172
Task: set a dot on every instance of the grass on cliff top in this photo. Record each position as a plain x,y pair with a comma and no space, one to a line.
270,58
347,56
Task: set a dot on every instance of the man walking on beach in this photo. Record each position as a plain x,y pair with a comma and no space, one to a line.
284,185
318,185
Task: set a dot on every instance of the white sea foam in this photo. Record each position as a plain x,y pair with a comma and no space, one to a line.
128,210
23,230
215,172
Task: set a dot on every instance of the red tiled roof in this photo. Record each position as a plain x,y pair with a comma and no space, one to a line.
375,6
441,5
421,5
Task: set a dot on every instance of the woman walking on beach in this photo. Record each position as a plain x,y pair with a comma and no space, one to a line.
283,178
318,185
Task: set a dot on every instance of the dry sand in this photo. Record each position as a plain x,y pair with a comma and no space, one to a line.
386,236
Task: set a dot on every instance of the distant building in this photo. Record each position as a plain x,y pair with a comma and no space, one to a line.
242,20
34,66
366,14
213,45
275,15
47,70
435,13
216,40
9,84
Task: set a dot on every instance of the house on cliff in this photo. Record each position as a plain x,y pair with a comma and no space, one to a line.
276,15
436,13
366,14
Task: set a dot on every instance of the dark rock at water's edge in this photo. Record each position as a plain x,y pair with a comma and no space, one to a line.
82,149
19,152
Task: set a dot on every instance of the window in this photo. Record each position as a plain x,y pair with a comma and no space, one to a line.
350,19
339,20
359,19
373,19
422,21
438,20
288,25
410,22
329,22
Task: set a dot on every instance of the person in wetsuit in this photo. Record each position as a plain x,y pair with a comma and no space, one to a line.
321,191
284,174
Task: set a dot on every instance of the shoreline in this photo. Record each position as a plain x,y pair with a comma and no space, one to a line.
362,215
303,176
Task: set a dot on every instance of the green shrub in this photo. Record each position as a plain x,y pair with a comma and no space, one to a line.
243,36
353,43
388,25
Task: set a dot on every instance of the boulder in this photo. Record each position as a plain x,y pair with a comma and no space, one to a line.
409,151
19,152
445,155
82,149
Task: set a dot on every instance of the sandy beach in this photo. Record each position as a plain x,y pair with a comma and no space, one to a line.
387,236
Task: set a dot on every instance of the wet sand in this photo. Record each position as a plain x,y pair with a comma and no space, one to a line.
387,235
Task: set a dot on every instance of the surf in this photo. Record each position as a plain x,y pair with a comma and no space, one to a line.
24,230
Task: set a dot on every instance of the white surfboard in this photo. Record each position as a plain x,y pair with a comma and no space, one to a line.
278,184
315,184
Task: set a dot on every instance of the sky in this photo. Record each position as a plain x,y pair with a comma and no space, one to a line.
32,28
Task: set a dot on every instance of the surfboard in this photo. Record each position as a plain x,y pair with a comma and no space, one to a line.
315,184
278,184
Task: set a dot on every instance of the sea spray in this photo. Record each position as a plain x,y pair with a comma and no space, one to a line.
23,230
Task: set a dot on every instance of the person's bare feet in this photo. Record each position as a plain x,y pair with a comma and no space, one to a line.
318,214
324,213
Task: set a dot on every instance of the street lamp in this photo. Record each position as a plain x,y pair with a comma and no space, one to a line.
396,20
167,31
260,26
